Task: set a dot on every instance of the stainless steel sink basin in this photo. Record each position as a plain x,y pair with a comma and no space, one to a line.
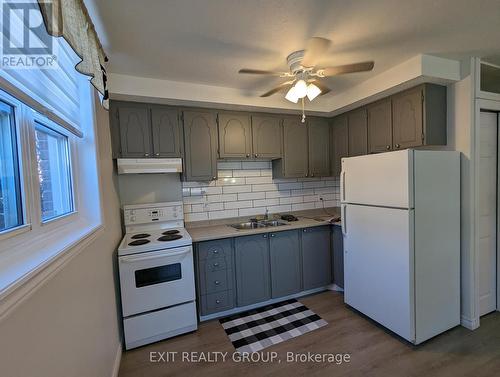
274,222
258,224
248,225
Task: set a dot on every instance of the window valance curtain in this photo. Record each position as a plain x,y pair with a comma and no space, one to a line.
69,19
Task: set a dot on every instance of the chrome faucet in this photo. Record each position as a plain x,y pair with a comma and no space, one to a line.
266,216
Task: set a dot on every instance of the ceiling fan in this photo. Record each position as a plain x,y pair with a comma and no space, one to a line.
304,78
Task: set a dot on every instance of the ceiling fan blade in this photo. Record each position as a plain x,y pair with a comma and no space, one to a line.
348,68
324,89
260,72
277,89
315,48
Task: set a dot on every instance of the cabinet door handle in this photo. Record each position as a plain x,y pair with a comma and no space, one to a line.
304,230
307,175
215,251
146,154
387,147
256,155
272,235
312,174
248,155
264,236
397,145
214,178
216,264
217,301
217,282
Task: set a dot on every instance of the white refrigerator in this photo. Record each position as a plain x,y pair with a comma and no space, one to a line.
401,228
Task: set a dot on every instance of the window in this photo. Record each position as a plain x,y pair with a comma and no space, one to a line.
11,213
54,172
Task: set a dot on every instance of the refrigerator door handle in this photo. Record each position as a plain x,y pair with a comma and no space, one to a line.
342,186
343,219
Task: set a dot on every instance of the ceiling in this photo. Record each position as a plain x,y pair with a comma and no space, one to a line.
206,42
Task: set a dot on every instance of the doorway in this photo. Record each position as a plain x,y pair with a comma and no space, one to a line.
488,211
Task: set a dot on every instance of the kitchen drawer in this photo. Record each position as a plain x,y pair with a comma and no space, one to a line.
215,281
217,302
216,249
214,264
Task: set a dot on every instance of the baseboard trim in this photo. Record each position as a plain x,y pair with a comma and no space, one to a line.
469,323
118,359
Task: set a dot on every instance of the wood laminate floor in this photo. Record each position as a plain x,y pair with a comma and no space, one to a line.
373,351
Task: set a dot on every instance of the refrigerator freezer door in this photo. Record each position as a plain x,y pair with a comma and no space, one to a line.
378,266
384,179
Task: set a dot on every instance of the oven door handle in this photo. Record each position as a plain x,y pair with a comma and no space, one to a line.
148,256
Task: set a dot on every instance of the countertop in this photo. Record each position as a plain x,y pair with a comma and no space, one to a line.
217,229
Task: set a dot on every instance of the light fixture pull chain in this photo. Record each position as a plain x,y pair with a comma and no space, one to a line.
303,112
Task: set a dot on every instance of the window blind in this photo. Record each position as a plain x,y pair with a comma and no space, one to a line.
51,90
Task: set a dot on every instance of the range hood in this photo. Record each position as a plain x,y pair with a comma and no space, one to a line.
149,165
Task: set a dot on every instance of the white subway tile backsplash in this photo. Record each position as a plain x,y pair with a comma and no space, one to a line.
302,206
237,205
223,214
277,194
228,165
246,188
236,189
251,195
266,202
264,187
291,200
255,165
247,173
258,180
290,186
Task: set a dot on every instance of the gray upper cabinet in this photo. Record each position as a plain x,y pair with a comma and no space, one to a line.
316,257
358,133
295,160
379,126
407,119
135,131
200,144
266,136
253,281
319,147
167,135
339,143
419,117
235,135
285,263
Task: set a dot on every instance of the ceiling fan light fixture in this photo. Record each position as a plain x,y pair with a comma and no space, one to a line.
301,88
291,95
313,91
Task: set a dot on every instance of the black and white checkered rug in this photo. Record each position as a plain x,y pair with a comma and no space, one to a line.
257,329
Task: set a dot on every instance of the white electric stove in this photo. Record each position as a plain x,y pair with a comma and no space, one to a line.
156,268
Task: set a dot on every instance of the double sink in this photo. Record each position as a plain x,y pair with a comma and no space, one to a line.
258,224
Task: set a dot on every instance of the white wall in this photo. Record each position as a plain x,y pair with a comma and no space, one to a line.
69,326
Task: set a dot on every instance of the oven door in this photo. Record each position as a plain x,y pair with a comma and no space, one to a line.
156,279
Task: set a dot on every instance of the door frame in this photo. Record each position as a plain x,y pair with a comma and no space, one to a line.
494,106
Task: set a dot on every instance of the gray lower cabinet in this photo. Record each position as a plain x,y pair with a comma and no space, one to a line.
135,131
319,147
200,144
253,275
285,263
166,132
316,257
215,276
380,126
235,135
338,256
358,133
266,136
